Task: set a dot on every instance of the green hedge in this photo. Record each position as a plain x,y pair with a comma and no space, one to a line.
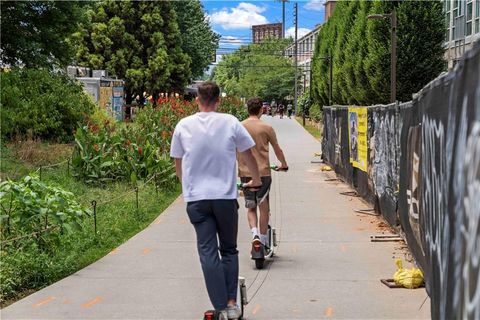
360,48
41,105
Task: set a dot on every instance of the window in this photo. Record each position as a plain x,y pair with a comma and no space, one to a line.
469,17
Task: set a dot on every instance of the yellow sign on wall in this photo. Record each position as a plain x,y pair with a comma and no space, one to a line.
357,133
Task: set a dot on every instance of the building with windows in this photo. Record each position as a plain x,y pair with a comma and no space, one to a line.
305,50
462,18
262,31
329,7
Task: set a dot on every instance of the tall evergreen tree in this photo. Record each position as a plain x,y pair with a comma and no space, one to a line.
420,57
362,51
340,58
138,41
199,41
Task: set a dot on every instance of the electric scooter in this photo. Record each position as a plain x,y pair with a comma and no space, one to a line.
241,297
260,252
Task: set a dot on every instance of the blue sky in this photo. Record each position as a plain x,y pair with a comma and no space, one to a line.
233,19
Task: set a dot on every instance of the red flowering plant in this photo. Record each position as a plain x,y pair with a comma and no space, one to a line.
107,150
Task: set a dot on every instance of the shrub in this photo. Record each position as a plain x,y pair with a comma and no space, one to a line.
41,104
107,151
31,205
315,113
233,106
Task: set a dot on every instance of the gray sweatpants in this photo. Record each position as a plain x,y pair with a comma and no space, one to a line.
211,218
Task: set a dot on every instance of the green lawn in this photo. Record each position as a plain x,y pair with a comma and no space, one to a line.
311,128
25,267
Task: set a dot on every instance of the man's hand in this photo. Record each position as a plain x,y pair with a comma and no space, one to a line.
283,167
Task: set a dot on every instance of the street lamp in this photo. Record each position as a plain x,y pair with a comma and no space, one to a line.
393,67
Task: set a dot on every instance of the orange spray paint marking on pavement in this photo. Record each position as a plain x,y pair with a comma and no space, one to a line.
343,248
114,251
158,221
329,312
256,309
43,302
92,302
66,301
183,221
147,251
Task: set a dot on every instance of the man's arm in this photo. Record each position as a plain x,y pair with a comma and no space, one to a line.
278,151
178,168
280,156
251,163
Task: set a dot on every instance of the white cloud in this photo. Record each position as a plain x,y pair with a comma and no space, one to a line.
242,16
230,40
315,5
290,32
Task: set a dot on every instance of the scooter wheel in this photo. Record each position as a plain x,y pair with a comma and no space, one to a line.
259,263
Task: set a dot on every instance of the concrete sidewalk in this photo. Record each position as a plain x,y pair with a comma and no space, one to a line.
325,267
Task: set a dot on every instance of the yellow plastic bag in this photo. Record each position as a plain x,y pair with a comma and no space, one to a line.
408,278
326,168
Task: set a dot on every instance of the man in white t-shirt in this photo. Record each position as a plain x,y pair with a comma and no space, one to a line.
204,147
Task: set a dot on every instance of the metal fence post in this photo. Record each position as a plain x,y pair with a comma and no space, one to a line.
136,197
94,204
40,173
68,167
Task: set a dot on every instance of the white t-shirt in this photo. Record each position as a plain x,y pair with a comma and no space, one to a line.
207,143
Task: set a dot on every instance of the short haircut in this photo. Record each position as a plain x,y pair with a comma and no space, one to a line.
254,105
208,93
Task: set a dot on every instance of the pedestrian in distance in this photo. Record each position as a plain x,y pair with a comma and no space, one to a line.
264,135
289,110
281,110
204,146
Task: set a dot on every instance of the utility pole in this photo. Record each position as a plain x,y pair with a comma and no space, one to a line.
295,17
283,17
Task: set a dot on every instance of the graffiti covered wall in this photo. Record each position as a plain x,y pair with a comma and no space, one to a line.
423,175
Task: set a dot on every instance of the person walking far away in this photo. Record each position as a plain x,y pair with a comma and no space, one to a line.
281,109
204,147
289,110
263,134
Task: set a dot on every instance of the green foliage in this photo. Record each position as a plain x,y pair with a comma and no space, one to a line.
40,104
233,106
32,205
257,70
315,112
198,39
32,263
138,41
361,51
420,49
35,33
304,102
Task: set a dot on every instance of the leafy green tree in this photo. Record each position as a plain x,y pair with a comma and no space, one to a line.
35,33
257,70
198,39
40,104
138,41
